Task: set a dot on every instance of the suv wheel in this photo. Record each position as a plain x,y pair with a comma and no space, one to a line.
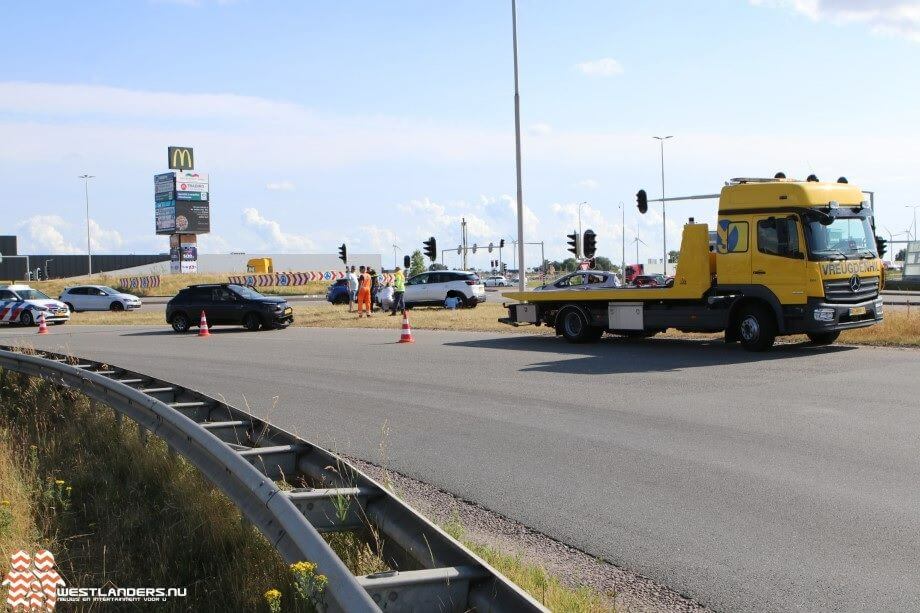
180,323
252,322
756,328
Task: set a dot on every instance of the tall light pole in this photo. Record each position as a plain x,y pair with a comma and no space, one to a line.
522,282
664,225
914,207
623,242
89,251
580,204
396,257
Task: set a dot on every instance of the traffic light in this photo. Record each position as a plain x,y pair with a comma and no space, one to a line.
589,244
474,248
573,244
501,244
642,201
343,254
881,245
491,246
407,262
431,249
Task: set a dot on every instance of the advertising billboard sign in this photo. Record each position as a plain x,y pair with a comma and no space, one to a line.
192,217
181,158
166,217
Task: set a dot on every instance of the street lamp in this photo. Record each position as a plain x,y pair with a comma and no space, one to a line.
89,252
580,204
522,282
623,241
664,227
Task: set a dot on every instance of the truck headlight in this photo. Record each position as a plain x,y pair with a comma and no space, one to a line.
878,306
824,314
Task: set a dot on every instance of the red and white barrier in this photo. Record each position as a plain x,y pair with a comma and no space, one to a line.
293,279
139,282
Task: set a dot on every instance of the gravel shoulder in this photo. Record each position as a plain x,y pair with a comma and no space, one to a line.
629,592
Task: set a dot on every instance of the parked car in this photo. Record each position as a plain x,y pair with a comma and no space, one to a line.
583,279
227,304
20,304
337,293
98,298
496,281
436,286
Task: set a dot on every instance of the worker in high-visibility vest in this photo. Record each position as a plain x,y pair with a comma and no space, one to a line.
399,291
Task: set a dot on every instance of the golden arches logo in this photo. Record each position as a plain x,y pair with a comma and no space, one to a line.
181,158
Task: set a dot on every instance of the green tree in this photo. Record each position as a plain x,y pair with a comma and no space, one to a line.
673,256
568,265
418,263
437,266
899,257
602,263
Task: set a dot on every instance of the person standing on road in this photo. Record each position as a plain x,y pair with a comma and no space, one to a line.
352,287
364,293
375,286
399,291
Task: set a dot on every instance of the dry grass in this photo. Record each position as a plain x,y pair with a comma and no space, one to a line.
170,284
901,328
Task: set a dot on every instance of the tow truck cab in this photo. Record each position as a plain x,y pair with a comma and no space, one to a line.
791,257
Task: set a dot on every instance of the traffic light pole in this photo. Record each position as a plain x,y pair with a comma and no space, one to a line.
522,281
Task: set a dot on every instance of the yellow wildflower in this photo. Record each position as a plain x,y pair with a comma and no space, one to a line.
59,481
306,568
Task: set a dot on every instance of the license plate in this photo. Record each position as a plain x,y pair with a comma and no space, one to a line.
857,311
289,310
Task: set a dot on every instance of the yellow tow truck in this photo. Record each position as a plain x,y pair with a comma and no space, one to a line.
791,257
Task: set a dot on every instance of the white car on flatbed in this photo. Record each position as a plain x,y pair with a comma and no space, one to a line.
20,304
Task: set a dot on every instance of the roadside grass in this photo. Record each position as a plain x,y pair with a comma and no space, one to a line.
533,579
119,510
901,328
170,284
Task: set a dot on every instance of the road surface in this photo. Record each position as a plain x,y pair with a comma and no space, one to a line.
784,481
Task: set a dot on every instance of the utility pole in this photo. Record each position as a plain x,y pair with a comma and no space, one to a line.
522,282
89,252
580,204
623,242
664,225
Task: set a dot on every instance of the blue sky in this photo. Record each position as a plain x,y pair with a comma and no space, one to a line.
378,123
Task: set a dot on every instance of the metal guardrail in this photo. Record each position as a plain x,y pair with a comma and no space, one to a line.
246,457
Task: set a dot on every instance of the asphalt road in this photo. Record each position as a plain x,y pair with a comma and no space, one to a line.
785,481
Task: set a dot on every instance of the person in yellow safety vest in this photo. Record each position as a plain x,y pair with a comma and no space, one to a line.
399,291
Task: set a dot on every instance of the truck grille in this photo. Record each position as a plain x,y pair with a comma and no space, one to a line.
840,290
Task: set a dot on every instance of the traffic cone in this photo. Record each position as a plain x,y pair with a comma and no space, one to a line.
203,326
406,330
42,326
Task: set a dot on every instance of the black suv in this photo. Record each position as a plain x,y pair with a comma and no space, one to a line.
227,304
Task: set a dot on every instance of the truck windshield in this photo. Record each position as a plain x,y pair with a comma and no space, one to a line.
846,238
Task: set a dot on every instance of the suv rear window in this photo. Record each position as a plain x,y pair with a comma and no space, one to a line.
468,277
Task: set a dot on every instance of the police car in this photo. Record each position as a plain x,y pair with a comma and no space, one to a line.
20,304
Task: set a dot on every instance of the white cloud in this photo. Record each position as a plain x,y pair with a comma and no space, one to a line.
280,186
604,67
891,17
213,243
540,129
104,240
46,235
272,235
588,184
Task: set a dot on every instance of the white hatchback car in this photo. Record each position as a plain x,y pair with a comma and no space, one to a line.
98,298
437,286
496,281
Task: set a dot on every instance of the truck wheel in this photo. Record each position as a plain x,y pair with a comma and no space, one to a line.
756,328
823,338
574,327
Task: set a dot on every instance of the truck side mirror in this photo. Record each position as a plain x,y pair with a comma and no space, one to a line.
642,201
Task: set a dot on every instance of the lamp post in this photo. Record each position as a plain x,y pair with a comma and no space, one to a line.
664,226
396,257
580,204
522,282
89,252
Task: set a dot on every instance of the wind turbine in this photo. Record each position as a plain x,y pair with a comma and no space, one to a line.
638,240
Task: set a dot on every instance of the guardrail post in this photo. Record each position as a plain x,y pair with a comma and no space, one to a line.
142,434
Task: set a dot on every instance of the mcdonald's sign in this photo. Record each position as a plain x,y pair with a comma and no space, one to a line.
181,158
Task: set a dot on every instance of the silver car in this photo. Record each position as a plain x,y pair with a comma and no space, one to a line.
98,298
583,280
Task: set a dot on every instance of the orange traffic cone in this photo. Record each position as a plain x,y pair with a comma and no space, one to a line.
203,326
406,330
42,326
